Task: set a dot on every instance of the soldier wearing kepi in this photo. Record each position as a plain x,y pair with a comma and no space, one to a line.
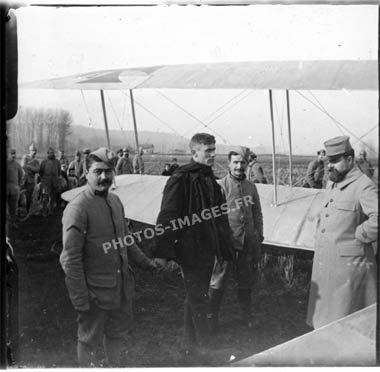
344,268
246,222
254,170
124,164
95,260
316,171
50,172
31,166
193,196
365,165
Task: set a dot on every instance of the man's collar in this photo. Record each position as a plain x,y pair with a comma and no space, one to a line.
92,192
238,179
351,176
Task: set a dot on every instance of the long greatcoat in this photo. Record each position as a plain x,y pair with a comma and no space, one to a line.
344,268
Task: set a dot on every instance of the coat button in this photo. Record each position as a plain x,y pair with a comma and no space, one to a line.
323,230
331,200
326,215
118,271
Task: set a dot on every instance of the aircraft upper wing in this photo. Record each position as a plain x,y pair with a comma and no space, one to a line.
291,224
292,75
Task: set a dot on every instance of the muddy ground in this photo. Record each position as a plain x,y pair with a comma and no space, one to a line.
47,320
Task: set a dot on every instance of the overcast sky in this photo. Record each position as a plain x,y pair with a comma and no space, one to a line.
54,42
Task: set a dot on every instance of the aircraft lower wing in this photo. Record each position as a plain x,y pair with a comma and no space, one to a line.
350,341
290,224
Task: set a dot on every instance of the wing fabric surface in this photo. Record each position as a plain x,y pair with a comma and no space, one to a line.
350,341
291,224
292,75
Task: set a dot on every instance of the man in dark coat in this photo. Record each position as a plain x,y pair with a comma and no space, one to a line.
14,180
31,167
50,172
96,250
195,230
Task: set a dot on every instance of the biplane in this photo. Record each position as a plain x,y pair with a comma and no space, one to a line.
288,211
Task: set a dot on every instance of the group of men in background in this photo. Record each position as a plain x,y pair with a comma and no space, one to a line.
317,174
39,184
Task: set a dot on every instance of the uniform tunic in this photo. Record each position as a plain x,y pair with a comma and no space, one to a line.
124,166
315,174
95,255
255,172
245,217
344,268
77,166
31,166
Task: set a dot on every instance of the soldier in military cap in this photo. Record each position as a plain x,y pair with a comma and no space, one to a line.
95,255
316,171
31,167
124,164
364,164
50,172
82,177
344,268
254,170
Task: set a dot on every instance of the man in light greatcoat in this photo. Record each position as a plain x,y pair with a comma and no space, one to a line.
95,255
344,268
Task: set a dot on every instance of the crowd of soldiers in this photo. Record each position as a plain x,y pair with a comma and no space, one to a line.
38,185
317,173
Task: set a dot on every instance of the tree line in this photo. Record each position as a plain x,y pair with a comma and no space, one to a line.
45,127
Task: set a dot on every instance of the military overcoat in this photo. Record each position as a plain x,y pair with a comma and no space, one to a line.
344,268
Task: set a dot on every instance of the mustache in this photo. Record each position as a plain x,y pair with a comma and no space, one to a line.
105,182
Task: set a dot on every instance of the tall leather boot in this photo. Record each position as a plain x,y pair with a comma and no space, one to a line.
85,355
216,296
112,348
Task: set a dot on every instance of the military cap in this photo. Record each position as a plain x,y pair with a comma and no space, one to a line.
50,149
32,147
13,151
105,155
78,153
125,149
86,151
338,146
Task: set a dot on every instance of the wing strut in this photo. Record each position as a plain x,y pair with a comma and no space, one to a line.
290,138
105,118
273,150
135,128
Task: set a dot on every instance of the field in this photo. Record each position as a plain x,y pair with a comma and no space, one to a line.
47,320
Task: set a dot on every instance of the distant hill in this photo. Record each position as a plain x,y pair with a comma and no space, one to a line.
81,137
